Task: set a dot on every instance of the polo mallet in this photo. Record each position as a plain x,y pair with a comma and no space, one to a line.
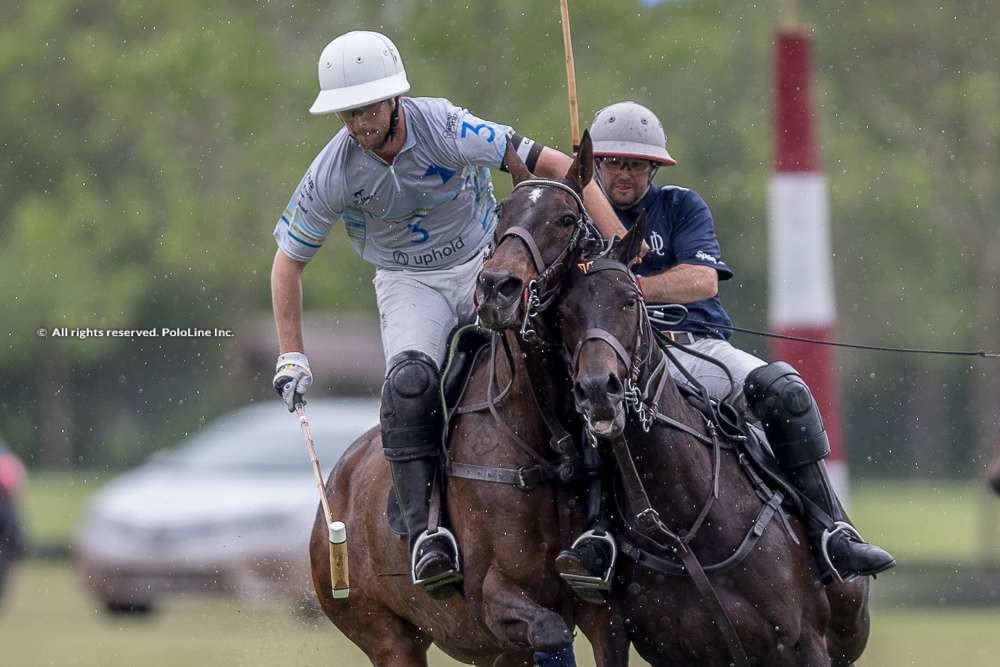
339,576
574,116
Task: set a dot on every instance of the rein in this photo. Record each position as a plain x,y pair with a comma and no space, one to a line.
525,477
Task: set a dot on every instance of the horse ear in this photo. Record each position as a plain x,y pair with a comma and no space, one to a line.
582,170
515,165
628,248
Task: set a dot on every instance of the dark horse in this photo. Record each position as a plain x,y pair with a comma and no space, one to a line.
501,506
694,495
508,294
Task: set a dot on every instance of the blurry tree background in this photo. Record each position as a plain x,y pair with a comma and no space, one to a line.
149,147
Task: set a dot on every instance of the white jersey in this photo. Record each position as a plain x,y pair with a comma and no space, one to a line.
432,208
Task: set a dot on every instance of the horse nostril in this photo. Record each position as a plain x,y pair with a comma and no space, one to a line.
509,288
500,285
615,386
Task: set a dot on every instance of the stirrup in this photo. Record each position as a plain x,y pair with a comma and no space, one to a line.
582,583
451,576
838,527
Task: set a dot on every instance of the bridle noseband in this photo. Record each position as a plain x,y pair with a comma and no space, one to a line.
539,293
635,396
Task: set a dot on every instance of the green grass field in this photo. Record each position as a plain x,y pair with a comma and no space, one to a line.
48,620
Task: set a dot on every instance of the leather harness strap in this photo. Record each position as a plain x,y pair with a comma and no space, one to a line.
525,478
529,241
647,521
767,513
607,337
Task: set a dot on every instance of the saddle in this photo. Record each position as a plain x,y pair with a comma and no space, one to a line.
465,345
749,442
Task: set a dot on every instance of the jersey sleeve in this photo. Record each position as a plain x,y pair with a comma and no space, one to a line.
694,239
311,213
478,142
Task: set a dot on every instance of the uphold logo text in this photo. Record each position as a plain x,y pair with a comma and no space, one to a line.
431,256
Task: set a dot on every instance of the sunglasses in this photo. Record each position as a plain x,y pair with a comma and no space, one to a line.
633,165
367,111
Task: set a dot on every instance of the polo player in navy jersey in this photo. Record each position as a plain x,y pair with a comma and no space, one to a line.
684,266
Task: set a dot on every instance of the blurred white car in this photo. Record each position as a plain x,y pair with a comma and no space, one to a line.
228,510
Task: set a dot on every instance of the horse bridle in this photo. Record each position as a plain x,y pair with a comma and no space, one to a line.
635,397
539,294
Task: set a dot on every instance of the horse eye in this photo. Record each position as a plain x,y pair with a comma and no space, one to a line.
631,304
568,219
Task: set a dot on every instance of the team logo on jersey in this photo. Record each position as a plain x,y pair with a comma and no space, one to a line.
431,256
434,170
450,123
656,243
360,198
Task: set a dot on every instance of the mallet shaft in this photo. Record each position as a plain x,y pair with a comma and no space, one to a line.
339,575
574,115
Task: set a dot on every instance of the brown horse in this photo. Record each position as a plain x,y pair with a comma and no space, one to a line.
693,496
508,533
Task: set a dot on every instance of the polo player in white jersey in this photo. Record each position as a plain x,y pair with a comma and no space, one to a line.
410,177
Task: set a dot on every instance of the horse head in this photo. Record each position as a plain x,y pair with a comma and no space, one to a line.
541,225
606,330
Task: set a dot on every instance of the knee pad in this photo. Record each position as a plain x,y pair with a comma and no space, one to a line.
411,410
780,398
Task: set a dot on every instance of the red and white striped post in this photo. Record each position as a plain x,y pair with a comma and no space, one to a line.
800,271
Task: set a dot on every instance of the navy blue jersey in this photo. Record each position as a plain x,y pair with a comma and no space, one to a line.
680,230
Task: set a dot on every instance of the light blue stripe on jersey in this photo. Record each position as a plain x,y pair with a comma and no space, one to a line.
300,240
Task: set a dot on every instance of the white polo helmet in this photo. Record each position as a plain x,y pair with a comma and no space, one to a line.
629,130
356,69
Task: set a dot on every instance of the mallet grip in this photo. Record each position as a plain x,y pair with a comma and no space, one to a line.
339,575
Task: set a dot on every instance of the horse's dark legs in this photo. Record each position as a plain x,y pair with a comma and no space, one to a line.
604,627
518,621
810,651
847,634
393,643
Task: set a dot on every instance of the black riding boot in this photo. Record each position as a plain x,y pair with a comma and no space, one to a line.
587,565
841,552
431,556
411,436
779,397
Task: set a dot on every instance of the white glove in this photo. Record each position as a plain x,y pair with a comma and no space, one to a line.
292,379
